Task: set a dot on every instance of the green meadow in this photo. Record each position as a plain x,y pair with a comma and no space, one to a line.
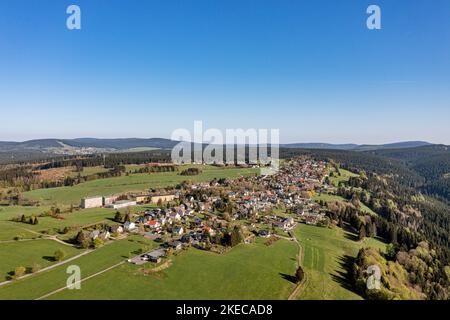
343,177
40,284
325,253
248,271
134,182
330,197
48,225
252,271
27,253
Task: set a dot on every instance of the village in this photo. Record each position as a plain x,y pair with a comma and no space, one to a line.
220,214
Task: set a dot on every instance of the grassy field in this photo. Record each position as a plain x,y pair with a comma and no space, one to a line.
42,283
252,271
88,171
325,253
49,225
344,177
330,197
26,253
134,182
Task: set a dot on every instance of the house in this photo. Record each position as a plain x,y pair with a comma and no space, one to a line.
174,216
178,230
104,235
210,231
175,244
155,255
198,221
94,234
116,229
128,226
264,233
94,202
154,224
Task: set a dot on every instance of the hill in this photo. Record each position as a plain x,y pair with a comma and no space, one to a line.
357,147
430,162
103,145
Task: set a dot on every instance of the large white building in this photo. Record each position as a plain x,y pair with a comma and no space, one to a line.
94,202
122,204
107,201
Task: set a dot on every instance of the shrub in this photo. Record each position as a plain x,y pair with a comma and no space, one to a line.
19,271
59,255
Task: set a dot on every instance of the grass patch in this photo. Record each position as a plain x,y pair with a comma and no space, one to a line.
246,272
326,251
25,253
45,282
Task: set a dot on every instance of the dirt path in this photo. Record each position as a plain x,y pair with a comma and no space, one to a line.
87,278
300,286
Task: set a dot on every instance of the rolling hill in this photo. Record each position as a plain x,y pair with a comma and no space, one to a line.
104,145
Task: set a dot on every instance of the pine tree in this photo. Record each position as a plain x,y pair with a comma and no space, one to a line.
362,232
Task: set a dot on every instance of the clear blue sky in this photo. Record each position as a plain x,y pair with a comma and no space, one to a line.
144,68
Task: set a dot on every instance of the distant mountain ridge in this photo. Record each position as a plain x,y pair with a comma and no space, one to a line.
358,147
54,145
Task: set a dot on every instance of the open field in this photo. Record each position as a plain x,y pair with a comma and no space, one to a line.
330,197
252,271
344,177
325,253
134,182
42,283
26,253
88,171
49,225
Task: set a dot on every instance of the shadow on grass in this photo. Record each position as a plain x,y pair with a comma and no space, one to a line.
348,234
49,258
344,278
289,277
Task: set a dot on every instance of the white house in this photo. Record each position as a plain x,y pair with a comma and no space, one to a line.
128,226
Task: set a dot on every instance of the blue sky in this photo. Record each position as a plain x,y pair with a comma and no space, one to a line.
145,68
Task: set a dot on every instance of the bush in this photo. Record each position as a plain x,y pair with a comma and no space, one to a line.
19,271
191,172
299,274
97,243
35,268
59,255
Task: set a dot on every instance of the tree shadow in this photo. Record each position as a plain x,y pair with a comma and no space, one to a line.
49,258
344,278
289,277
351,236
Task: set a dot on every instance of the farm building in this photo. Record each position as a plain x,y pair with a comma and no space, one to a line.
94,202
